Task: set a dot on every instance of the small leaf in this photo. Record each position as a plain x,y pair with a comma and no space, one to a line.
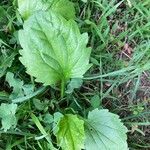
48,119
74,84
6,59
4,95
7,114
95,101
57,56
28,89
63,7
105,131
17,85
70,135
39,105
57,118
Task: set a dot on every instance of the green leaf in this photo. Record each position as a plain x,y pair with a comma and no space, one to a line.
2,13
4,95
56,120
28,89
42,130
96,101
63,7
28,7
70,135
74,84
7,114
17,85
39,105
104,131
48,119
6,58
56,47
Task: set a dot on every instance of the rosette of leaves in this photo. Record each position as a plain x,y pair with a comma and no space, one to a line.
54,50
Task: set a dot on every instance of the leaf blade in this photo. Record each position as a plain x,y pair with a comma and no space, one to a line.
70,135
63,7
58,56
7,114
104,131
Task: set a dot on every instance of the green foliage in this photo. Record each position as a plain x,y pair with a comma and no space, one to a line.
119,36
74,84
42,130
28,7
2,16
85,1
70,135
56,119
58,56
2,13
16,84
6,58
39,105
104,131
95,101
4,95
7,114
63,7
19,88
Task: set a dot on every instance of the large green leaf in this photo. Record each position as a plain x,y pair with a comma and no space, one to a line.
53,48
104,131
70,135
7,114
63,7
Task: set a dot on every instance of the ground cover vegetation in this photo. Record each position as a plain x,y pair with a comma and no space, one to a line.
74,74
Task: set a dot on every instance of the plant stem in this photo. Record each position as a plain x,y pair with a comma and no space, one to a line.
62,88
